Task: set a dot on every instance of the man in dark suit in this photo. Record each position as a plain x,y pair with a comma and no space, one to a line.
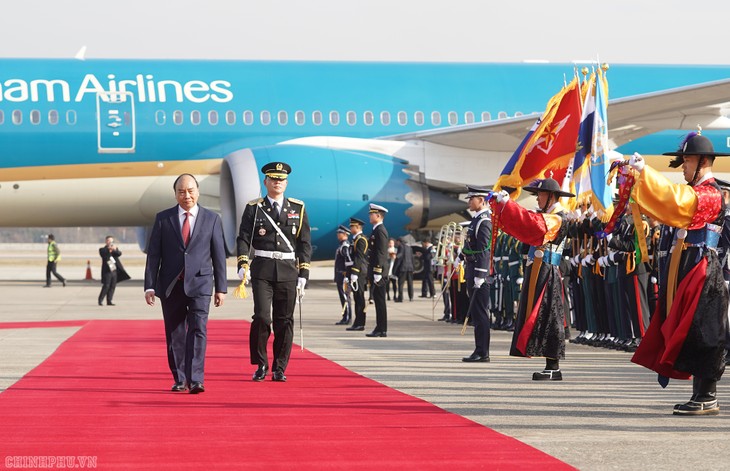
358,272
186,260
112,271
405,269
276,229
378,262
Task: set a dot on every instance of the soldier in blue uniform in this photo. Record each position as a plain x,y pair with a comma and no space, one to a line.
478,259
276,229
343,263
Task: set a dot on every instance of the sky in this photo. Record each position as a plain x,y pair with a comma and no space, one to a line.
614,31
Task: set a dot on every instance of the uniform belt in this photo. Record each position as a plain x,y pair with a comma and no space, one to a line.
511,264
275,255
349,264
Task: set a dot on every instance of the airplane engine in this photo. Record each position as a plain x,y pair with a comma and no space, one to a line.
335,184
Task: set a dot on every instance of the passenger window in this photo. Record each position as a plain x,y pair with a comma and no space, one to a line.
213,117
469,117
418,118
402,118
367,118
195,117
177,117
2,117
317,118
436,118
230,117
160,117
265,118
35,117
334,118
71,117
17,117
283,117
248,118
486,116
351,118
502,115
385,118
453,118
299,118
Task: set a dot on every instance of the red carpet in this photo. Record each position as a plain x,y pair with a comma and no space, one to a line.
105,394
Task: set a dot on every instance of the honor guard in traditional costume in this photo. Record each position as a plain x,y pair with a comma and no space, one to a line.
686,336
275,232
343,264
476,252
358,273
540,330
378,246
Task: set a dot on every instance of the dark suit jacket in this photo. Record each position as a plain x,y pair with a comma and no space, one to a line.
204,259
105,254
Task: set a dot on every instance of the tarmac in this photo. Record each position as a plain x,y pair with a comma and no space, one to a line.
606,414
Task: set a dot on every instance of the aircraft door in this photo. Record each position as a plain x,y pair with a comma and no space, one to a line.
115,122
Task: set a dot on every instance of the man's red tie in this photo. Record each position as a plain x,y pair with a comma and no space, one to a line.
186,229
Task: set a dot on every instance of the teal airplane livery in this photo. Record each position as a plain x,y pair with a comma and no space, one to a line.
100,142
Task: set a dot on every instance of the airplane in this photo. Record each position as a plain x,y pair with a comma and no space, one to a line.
100,142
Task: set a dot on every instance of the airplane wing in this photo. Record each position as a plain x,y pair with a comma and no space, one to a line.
629,118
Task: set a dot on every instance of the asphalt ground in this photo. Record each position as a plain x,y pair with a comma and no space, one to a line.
607,413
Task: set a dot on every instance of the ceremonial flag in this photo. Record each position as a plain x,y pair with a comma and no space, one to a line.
548,149
581,162
602,194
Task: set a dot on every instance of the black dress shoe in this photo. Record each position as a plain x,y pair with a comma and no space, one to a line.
547,375
260,373
356,327
278,376
101,304
64,283
376,333
110,304
473,358
179,387
197,387
342,322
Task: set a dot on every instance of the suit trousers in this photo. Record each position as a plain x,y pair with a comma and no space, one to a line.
108,285
405,277
273,303
381,309
186,333
479,315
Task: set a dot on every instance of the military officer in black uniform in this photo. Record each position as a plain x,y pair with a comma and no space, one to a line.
358,272
343,263
275,232
478,257
378,263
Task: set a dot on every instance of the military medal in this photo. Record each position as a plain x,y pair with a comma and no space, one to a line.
262,231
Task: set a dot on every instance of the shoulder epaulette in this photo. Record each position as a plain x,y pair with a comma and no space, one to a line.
296,201
255,202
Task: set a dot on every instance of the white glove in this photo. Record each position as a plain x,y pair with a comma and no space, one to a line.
573,261
653,280
244,274
576,260
353,282
478,282
377,278
502,196
609,236
637,162
520,280
612,256
602,261
588,260
301,283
